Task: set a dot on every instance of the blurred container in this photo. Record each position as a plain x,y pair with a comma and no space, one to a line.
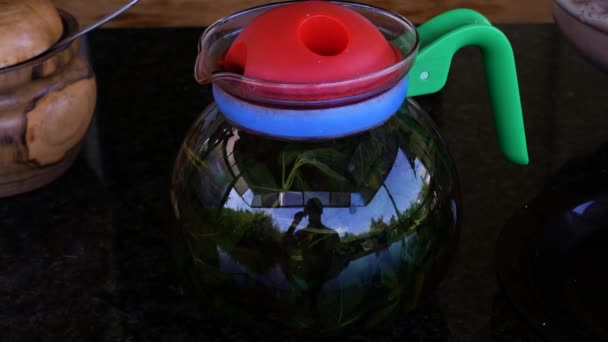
585,25
46,106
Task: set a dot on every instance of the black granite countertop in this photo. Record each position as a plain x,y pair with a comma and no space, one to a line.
85,258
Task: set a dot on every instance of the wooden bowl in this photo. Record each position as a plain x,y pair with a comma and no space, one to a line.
27,29
46,106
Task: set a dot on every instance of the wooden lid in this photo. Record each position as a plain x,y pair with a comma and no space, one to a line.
27,29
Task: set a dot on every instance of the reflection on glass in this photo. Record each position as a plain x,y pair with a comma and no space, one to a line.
316,236
595,210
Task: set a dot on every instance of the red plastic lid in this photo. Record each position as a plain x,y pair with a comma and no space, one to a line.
309,42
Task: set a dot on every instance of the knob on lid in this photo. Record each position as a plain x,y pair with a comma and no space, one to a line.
27,29
309,42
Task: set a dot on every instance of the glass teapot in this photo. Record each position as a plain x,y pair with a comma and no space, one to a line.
312,196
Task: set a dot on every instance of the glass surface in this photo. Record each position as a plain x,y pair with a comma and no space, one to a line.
314,237
569,267
551,254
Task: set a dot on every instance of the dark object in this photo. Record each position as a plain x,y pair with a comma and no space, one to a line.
124,286
552,255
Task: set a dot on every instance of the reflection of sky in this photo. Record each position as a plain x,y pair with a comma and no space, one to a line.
581,208
403,183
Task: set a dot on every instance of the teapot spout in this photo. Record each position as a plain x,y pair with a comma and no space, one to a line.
205,67
212,46
200,74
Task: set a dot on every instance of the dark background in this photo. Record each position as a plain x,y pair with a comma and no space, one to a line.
86,258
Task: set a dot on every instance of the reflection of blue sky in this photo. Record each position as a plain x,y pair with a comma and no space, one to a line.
581,208
403,183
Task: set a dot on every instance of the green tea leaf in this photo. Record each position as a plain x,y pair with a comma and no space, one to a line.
257,175
289,154
339,306
298,284
198,163
388,276
328,154
209,275
328,171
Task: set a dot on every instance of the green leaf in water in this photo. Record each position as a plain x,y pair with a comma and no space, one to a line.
328,171
339,306
198,163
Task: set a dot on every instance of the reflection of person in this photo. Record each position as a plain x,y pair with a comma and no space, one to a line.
316,232
316,243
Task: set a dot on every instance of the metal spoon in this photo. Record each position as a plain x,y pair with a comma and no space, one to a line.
69,39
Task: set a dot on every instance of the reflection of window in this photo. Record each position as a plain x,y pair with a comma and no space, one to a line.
322,196
241,186
293,199
357,200
230,142
339,199
257,201
216,182
403,184
270,200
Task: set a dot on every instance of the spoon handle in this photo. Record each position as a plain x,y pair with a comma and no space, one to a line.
92,26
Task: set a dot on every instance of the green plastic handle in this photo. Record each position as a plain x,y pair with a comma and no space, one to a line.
441,38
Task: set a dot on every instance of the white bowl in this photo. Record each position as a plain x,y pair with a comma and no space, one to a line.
586,31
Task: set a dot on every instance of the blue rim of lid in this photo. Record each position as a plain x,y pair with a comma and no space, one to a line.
317,123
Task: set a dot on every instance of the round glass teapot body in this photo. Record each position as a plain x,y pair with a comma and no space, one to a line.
315,203
315,236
